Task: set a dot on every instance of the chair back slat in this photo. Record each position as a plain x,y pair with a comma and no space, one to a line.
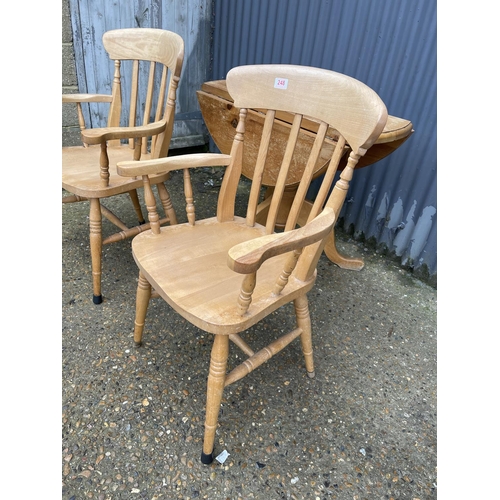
162,141
134,92
149,94
115,108
148,103
328,177
283,173
160,106
307,177
161,109
253,199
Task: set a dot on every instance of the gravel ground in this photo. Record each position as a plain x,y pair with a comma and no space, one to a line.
132,418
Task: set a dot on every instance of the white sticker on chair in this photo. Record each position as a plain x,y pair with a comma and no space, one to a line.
281,83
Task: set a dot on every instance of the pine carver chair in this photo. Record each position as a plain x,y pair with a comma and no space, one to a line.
154,58
226,273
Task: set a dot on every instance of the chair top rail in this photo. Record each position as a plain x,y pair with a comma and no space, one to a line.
151,44
345,103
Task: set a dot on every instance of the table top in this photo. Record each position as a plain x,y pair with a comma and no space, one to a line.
395,128
221,118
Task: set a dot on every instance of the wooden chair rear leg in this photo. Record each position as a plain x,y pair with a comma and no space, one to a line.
137,206
215,388
166,203
96,248
304,322
141,307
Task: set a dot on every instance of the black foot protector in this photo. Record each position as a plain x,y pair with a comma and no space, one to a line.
97,299
207,459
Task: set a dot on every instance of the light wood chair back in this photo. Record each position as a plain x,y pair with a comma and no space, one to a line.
226,273
154,57
147,64
320,100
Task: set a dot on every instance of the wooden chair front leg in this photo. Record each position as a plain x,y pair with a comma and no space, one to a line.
143,296
304,322
96,247
215,388
166,203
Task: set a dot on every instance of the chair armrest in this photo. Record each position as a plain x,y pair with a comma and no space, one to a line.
75,98
247,257
100,135
160,165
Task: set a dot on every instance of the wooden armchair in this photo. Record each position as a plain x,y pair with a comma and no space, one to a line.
154,59
226,273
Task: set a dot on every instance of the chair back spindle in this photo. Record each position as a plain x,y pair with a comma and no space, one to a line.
134,96
283,173
149,198
307,177
230,181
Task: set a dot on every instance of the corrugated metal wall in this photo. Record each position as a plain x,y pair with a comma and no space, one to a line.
191,19
391,46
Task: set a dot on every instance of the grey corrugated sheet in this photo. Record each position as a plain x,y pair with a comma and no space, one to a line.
391,46
191,19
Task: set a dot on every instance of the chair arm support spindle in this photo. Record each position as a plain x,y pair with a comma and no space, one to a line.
138,148
150,200
287,271
188,193
247,288
104,164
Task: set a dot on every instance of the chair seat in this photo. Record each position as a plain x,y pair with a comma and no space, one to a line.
205,290
81,173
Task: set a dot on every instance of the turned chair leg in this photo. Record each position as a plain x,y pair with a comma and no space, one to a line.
137,206
304,322
141,307
96,248
215,388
